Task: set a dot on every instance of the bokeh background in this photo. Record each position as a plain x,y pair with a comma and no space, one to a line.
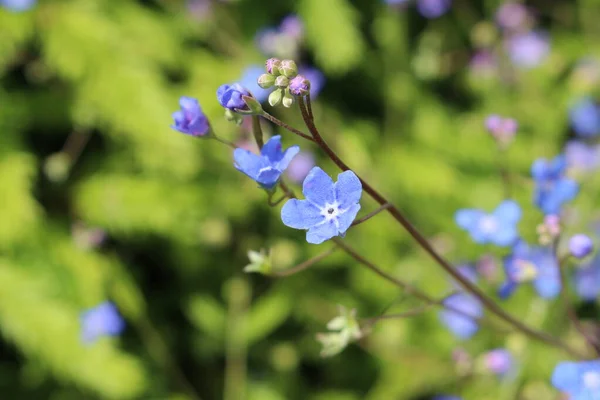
101,200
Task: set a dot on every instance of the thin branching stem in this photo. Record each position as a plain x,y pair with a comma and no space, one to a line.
282,124
371,214
305,265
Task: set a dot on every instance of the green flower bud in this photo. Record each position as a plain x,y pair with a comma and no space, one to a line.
282,82
275,97
265,81
259,262
288,99
272,66
288,68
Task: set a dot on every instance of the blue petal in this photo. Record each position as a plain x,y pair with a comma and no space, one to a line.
348,189
318,187
287,158
558,165
540,169
189,103
507,289
320,233
567,188
300,214
587,282
566,377
268,177
463,326
508,211
468,218
547,286
506,235
346,219
248,162
272,149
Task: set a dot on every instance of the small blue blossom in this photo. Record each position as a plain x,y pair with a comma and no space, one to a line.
552,187
300,166
580,380
587,280
499,227
531,264
528,50
512,16
433,8
102,320
463,325
267,167
580,245
585,117
582,157
499,362
230,96
18,5
190,119
249,80
329,208
446,397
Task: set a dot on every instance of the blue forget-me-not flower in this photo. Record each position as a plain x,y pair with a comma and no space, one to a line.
531,264
499,362
329,208
18,5
102,320
266,168
587,279
190,119
463,324
585,117
552,187
499,227
231,96
580,380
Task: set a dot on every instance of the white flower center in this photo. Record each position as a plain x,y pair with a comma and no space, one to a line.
488,224
331,211
524,271
591,380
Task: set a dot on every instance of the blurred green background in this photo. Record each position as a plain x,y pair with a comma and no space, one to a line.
100,199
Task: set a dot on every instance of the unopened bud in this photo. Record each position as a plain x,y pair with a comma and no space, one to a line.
288,68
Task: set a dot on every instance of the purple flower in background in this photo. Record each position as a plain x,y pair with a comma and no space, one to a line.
316,78
512,16
300,166
266,168
531,264
581,156
549,230
552,187
528,50
580,245
329,208
292,26
499,227
230,96
463,325
587,280
433,8
502,129
580,380
190,119
249,80
267,41
200,9
102,320
498,361
483,63
18,5
585,117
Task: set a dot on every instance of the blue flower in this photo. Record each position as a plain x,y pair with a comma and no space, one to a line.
249,80
499,362
585,117
587,280
531,264
463,325
581,156
230,96
329,208
190,119
580,380
102,320
18,5
552,187
267,167
446,397
433,8
499,227
528,50
580,245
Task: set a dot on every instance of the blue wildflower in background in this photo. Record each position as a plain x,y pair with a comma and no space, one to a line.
249,80
300,166
102,320
587,280
512,16
580,245
579,380
446,397
266,168
18,5
433,8
499,227
528,50
463,325
499,362
552,187
231,96
190,119
582,157
585,117
329,208
537,265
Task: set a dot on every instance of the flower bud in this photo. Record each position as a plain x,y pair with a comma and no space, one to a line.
580,245
282,82
259,262
288,100
265,81
299,86
288,68
275,97
272,66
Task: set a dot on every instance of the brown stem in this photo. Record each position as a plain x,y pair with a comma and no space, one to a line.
309,106
305,265
286,126
504,174
371,214
487,302
410,313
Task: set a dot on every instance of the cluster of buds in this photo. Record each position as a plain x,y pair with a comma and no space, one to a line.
502,129
283,75
549,230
